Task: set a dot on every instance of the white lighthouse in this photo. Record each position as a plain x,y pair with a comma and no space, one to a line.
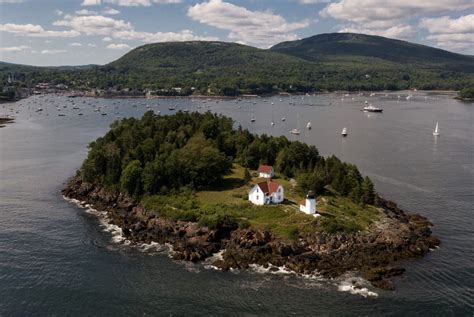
309,204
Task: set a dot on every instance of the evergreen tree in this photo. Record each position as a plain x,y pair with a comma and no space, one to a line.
368,194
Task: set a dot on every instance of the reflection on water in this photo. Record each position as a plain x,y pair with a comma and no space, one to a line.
56,259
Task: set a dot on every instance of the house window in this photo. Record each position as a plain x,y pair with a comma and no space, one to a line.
279,197
279,190
257,197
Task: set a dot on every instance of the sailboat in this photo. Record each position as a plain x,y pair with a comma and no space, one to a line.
436,131
344,132
308,126
296,130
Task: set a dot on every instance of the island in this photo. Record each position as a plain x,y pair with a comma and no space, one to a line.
197,183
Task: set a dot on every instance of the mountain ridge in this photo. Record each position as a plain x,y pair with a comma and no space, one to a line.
331,61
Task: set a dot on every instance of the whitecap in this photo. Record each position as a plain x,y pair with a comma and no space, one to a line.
355,285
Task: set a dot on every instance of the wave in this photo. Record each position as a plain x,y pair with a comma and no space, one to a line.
116,233
355,285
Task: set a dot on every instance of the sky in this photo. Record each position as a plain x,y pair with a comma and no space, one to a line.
81,32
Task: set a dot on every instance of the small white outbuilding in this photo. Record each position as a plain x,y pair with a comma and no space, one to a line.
308,205
266,171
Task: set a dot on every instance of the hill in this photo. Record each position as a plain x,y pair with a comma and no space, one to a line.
352,47
338,61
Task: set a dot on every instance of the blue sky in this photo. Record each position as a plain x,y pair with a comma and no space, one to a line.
78,32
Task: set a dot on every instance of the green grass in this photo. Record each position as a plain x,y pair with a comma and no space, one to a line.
228,202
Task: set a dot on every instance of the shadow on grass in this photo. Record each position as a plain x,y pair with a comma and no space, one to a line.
226,184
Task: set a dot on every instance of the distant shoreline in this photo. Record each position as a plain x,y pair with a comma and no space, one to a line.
81,94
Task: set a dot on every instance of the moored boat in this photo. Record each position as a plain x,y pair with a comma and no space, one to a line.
371,108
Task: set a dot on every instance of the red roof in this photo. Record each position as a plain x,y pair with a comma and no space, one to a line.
268,187
267,169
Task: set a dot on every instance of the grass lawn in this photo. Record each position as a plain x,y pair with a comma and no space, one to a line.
230,198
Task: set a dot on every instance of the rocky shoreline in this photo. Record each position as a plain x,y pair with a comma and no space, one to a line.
374,253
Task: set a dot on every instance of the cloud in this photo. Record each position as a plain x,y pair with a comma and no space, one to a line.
90,2
53,51
85,12
261,28
107,39
130,3
450,33
361,11
34,30
184,35
388,18
397,31
313,1
94,24
75,44
91,45
118,46
110,11
58,12
11,1
446,25
14,48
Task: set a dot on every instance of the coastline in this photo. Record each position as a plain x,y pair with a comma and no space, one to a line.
374,254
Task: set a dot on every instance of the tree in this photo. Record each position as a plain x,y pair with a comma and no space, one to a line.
131,179
368,194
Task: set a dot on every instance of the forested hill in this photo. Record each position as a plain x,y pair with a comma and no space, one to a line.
352,47
320,63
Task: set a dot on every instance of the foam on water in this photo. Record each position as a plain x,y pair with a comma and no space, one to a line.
104,221
213,258
355,285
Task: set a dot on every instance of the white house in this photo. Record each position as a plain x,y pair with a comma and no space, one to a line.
308,205
267,192
266,171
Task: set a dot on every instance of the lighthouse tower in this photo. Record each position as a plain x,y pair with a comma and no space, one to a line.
309,204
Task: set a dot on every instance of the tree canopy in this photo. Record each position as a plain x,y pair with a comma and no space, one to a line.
158,154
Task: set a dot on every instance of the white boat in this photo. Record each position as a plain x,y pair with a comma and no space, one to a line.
436,131
283,119
344,132
252,119
296,130
371,108
308,126
273,123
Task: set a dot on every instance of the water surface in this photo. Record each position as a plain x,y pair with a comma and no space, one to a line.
57,259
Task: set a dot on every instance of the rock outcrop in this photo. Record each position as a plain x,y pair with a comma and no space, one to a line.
373,253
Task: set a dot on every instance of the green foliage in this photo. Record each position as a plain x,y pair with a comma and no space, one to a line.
215,221
368,194
467,93
192,151
131,179
323,62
